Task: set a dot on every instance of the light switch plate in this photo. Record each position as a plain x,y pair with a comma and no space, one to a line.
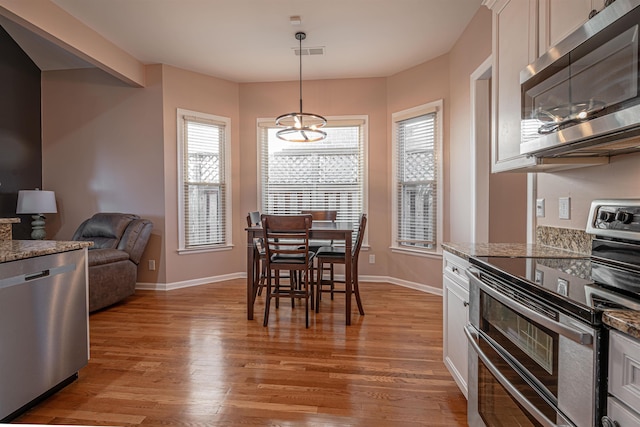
540,208
564,207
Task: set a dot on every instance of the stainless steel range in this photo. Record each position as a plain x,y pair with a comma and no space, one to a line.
537,354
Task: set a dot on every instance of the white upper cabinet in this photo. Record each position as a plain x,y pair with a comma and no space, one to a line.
514,47
558,19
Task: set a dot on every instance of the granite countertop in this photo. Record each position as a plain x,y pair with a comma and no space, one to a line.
466,250
12,250
9,220
626,321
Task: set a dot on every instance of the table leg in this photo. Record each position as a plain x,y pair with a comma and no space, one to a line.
250,274
348,283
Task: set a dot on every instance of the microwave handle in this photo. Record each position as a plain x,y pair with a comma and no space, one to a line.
567,331
472,336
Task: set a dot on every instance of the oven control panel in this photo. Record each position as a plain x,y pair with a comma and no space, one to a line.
615,218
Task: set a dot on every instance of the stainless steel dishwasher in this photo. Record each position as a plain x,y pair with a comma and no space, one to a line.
44,333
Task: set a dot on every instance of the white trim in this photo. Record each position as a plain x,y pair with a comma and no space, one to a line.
532,190
220,248
430,107
426,253
479,233
423,287
180,113
189,283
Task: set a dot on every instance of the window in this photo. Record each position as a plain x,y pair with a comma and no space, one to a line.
323,175
417,144
204,194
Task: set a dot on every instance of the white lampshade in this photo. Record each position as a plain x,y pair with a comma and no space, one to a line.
36,202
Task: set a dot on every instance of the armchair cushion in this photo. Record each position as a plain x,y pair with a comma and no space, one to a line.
104,229
106,256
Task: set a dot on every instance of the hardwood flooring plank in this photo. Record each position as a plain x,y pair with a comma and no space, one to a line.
189,357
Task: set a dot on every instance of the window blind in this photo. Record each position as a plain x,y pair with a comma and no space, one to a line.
324,175
416,181
203,182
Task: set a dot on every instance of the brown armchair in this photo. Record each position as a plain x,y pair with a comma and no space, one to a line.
118,243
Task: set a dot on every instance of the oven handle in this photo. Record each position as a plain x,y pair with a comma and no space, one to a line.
472,336
567,331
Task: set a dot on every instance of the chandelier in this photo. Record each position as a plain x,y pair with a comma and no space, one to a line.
301,127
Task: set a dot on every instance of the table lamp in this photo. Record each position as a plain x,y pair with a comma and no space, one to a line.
37,203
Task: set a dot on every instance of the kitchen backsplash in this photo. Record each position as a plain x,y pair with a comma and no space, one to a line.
564,238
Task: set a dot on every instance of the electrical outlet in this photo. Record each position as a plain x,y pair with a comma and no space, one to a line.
564,207
563,286
540,208
539,277
372,259
152,264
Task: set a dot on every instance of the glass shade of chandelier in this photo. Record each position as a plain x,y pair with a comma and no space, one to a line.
300,126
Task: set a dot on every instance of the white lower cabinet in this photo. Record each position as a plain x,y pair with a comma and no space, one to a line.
456,314
623,403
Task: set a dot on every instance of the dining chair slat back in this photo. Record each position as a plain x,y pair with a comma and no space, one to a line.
335,255
286,240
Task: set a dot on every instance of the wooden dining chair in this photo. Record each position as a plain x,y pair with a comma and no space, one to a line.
319,215
286,240
260,266
314,244
335,255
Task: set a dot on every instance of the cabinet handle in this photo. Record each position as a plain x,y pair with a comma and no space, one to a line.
465,303
454,269
608,422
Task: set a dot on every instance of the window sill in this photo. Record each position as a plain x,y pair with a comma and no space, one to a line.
437,254
205,250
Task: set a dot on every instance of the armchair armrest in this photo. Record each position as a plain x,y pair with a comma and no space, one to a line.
135,238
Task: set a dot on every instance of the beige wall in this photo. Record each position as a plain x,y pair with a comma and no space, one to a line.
329,98
469,52
205,94
619,179
102,151
120,144
419,85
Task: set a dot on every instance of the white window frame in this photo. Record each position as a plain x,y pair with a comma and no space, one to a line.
226,122
359,120
435,106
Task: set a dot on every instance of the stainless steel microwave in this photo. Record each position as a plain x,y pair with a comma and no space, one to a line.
582,97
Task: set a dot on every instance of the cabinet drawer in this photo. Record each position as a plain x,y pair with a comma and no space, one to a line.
624,369
621,415
454,267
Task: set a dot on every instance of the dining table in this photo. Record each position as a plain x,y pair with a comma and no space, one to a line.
337,231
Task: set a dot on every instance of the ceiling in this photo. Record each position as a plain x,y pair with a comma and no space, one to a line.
253,40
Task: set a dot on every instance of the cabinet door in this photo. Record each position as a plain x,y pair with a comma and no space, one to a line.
456,315
624,369
514,47
558,19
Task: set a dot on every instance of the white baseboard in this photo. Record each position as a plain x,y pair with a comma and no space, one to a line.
214,279
189,283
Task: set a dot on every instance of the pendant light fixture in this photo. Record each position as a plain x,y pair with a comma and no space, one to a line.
301,127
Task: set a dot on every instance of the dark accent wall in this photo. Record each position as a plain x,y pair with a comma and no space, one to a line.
20,130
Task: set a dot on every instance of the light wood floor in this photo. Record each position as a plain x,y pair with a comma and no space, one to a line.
189,357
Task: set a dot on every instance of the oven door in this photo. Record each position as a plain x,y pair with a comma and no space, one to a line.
500,395
521,346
